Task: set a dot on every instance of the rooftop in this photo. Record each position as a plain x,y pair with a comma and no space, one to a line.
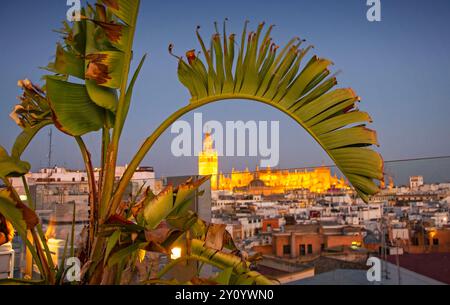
433,265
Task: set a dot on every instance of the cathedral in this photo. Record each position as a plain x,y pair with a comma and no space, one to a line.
265,181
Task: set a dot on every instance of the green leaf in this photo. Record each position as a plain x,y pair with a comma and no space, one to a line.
224,260
25,137
158,208
74,112
182,221
360,161
349,136
105,68
12,167
112,241
340,121
102,96
68,63
244,279
185,193
223,278
117,34
124,253
126,10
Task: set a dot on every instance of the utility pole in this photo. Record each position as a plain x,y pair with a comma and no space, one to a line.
50,148
398,260
385,271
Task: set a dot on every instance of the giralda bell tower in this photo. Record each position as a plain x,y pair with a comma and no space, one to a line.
208,161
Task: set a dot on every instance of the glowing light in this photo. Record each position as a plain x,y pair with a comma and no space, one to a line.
175,253
355,245
23,197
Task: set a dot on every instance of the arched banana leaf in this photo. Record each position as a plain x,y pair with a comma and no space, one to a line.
285,80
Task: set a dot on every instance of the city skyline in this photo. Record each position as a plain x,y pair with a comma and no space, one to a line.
398,67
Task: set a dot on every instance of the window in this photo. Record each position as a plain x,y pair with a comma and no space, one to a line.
309,249
286,249
435,241
73,179
322,247
302,250
82,178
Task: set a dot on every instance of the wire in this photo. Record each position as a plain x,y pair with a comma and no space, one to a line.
334,166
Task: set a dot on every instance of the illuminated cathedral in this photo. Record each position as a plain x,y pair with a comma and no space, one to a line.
264,181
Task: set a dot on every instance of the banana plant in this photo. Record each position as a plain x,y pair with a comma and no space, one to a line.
89,89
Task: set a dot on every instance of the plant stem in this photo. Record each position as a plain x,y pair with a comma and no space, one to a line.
41,234
31,203
72,239
92,190
106,137
128,174
113,147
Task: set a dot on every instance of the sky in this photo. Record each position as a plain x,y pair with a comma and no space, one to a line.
399,66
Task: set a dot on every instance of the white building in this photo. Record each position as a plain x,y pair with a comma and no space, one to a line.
415,182
143,175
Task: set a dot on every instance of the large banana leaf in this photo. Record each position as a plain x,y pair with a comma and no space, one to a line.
126,10
98,49
170,204
73,110
226,260
302,89
158,208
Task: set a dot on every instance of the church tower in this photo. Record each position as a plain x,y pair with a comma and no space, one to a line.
208,161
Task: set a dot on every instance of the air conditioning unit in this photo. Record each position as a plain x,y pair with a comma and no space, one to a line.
6,261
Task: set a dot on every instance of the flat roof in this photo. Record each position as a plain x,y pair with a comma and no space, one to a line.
433,265
358,277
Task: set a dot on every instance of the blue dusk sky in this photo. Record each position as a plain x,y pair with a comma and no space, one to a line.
400,67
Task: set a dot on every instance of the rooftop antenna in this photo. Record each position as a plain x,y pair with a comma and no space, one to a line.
50,148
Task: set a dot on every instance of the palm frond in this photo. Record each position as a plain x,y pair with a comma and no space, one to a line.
301,88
